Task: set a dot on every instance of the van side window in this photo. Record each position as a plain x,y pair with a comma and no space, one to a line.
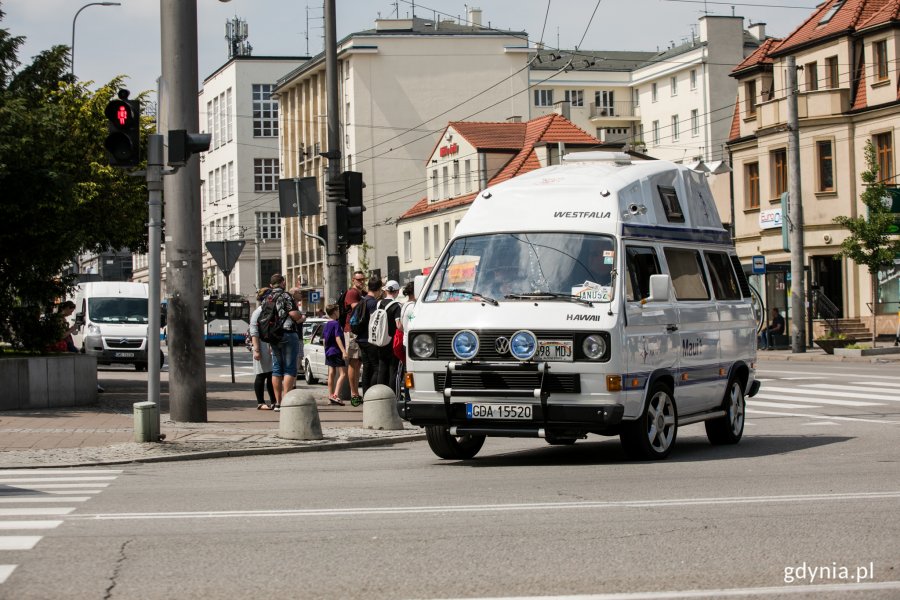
724,283
671,205
641,263
686,270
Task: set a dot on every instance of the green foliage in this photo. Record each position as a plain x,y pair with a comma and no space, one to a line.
832,335
60,198
870,242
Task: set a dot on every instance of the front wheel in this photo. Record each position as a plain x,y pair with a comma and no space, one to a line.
730,428
652,436
307,373
452,447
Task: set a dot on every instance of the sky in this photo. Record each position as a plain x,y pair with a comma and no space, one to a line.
124,40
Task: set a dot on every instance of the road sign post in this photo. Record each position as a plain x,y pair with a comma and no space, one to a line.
226,255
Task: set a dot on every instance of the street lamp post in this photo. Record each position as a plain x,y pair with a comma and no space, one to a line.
72,47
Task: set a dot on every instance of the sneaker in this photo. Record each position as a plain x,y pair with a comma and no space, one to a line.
263,407
356,400
277,408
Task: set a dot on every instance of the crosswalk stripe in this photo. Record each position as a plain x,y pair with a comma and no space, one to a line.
833,371
59,471
18,542
854,388
6,571
6,525
828,393
14,499
808,416
881,383
52,479
35,511
27,493
768,396
59,486
754,402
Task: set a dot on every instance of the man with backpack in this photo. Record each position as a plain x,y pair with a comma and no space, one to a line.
278,324
382,326
359,326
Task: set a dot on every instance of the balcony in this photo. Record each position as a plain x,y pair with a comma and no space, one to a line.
810,105
617,112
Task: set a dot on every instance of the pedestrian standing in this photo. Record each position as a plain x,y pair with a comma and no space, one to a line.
369,352
399,345
335,354
262,358
297,295
354,362
387,362
284,353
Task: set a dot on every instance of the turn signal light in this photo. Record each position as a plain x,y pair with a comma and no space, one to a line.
409,381
614,383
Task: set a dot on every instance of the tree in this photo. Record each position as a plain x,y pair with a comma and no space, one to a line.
59,196
870,242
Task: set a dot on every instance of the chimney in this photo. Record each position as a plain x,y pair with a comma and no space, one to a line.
474,16
757,30
514,119
564,108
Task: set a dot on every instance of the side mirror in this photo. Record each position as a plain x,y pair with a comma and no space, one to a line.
659,288
419,284
79,319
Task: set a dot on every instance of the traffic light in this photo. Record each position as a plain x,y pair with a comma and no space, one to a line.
123,142
182,144
353,187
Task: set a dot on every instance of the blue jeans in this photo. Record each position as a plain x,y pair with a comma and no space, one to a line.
284,355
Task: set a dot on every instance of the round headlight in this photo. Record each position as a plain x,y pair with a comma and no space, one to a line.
423,345
522,345
465,344
594,347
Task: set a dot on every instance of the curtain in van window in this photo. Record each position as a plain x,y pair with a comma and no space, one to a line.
724,283
686,271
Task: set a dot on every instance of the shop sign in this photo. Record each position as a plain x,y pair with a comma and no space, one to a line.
770,219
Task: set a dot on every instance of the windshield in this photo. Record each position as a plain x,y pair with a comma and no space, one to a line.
218,309
522,266
118,310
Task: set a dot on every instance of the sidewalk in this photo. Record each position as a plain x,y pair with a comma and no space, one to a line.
103,434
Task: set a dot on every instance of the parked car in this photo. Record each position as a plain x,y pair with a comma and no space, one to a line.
314,368
308,326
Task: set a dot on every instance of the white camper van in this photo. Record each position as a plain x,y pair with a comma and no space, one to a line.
598,296
113,321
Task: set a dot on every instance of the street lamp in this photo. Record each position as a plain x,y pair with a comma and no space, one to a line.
72,47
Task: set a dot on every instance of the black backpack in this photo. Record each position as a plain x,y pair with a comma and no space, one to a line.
342,307
270,324
359,318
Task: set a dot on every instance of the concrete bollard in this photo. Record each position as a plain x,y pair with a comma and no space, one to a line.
146,422
299,417
380,409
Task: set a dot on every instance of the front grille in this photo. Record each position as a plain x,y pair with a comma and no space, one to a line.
486,339
560,383
115,343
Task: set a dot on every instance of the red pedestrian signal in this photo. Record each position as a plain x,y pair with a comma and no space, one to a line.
123,141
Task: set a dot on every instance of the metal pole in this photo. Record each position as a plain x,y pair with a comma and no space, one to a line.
228,313
798,289
336,255
184,273
75,18
155,187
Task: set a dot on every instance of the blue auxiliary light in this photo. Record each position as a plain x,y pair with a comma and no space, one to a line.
523,345
465,345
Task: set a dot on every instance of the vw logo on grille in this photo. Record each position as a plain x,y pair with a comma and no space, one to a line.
501,345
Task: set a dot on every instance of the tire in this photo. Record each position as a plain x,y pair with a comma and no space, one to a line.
140,366
444,445
730,428
652,436
307,373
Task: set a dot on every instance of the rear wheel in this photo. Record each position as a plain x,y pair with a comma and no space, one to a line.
307,373
452,447
652,436
730,428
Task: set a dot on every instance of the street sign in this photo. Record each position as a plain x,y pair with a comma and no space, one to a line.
759,265
290,205
225,254
315,297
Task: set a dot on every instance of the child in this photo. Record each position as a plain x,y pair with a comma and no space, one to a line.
335,354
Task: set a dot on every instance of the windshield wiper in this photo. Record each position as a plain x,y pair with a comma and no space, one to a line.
487,299
555,295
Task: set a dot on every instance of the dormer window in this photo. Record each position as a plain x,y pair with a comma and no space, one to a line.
831,12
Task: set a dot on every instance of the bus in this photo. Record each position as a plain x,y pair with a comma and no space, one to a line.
215,319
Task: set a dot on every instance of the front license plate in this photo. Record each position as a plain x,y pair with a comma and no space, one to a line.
124,354
554,350
498,411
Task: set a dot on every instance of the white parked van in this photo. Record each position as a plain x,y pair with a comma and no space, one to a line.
113,320
598,296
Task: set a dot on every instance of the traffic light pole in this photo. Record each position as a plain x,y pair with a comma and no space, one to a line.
798,287
184,273
154,187
336,253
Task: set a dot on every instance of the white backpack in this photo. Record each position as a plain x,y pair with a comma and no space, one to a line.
379,333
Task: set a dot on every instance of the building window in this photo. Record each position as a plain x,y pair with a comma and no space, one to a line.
229,115
825,160
230,176
636,97
812,76
656,133
779,172
217,124
884,151
695,122
265,174
750,98
446,177
881,60
575,97
674,127
434,185
268,226
265,111
468,175
426,245
606,103
832,76
209,121
437,241
543,97
673,85
446,231
693,79
751,175
455,178
654,92
407,246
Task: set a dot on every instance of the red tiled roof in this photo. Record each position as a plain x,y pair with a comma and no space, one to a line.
736,121
851,15
760,56
889,12
550,128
